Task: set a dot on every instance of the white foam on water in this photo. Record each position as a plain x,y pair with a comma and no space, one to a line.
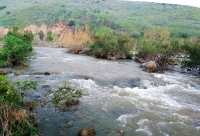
143,127
179,117
153,96
198,128
44,57
87,85
162,124
67,59
153,99
123,119
102,62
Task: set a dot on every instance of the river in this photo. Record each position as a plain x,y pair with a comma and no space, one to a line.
119,98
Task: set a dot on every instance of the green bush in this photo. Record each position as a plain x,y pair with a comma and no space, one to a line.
16,46
106,46
11,109
41,35
49,36
146,50
193,51
155,41
65,97
71,23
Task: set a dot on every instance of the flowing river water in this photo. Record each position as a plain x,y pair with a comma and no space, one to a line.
119,98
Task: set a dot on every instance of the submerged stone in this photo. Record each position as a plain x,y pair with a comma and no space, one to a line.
17,73
87,132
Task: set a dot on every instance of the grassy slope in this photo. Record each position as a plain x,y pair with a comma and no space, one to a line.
133,16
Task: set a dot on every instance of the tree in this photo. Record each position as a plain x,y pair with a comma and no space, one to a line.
16,46
41,35
49,36
155,41
106,46
193,49
71,23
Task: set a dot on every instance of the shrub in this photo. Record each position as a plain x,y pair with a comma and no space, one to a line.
193,49
49,36
41,35
71,23
146,50
8,12
76,42
65,97
13,118
17,45
2,7
155,41
106,46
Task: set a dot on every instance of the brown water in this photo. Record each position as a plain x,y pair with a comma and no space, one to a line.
120,99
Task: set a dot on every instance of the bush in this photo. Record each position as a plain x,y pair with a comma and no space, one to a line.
77,42
71,23
146,50
2,7
41,35
49,36
17,45
13,118
8,12
65,97
106,46
193,50
155,41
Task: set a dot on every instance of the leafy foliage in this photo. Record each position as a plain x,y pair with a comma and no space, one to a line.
193,50
2,7
17,45
49,36
65,97
13,119
41,35
155,41
71,23
129,16
25,86
106,46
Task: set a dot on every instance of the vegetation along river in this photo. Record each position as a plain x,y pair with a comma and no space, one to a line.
119,98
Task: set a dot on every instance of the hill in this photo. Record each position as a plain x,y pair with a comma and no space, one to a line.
103,15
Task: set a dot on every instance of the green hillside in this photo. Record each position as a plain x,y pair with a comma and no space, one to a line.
132,17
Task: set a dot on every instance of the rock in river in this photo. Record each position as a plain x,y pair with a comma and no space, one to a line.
17,73
87,132
3,72
150,66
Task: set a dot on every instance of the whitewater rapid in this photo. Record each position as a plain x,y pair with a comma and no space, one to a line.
119,98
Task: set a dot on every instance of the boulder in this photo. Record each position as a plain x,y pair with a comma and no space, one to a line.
121,56
87,132
112,58
17,73
133,58
150,66
3,72
140,60
25,65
